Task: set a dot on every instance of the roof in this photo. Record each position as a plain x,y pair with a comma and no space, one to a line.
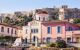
58,22
4,24
54,21
42,12
43,15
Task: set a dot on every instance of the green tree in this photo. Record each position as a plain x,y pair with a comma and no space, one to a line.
54,17
12,22
23,20
76,20
26,19
20,17
6,20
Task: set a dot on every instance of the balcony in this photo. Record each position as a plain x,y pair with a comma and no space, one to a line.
73,32
76,32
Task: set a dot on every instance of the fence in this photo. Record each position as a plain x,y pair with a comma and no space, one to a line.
20,48
51,48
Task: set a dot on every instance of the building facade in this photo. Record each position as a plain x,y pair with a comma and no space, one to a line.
43,30
51,31
6,30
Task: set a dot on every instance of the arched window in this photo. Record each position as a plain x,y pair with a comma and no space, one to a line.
2,29
11,31
7,30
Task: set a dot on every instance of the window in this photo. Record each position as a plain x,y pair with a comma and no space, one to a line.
34,30
39,18
66,16
26,31
68,39
15,31
48,39
7,30
43,18
2,29
79,28
49,30
58,29
11,31
70,28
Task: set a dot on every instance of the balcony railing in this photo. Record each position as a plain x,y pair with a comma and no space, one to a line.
73,32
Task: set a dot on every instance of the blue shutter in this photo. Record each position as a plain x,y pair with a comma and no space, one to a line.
49,30
58,29
70,28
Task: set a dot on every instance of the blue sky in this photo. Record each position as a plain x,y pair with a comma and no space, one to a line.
25,5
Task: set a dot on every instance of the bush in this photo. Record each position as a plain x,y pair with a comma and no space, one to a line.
76,20
61,44
3,44
51,45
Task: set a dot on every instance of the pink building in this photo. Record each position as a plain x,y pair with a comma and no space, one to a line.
50,31
8,30
60,30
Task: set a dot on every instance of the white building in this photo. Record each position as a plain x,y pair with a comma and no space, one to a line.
43,16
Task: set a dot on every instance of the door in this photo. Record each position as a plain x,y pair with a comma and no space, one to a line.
35,38
78,39
68,40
